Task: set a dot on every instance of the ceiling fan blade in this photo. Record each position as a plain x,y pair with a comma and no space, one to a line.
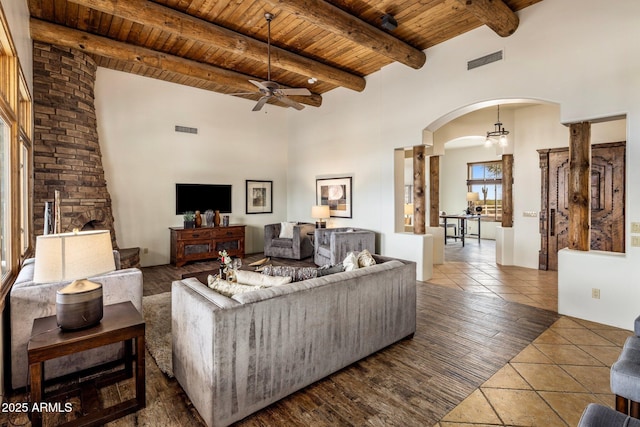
300,91
259,85
261,103
290,102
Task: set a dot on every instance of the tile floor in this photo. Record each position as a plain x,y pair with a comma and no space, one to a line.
553,379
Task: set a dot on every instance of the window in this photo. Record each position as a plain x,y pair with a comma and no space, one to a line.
16,165
5,145
486,179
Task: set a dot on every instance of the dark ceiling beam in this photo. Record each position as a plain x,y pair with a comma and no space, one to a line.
336,20
494,14
150,14
54,34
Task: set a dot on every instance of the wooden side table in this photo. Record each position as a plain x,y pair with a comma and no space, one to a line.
121,323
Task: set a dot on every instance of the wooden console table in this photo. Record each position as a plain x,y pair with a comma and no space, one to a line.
120,323
196,244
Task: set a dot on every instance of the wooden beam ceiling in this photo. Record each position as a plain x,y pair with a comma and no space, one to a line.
219,45
494,14
162,18
331,18
62,36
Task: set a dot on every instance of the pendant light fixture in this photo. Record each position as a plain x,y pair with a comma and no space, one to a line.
498,135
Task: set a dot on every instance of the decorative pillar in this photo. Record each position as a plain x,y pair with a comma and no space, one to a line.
579,185
419,197
507,190
434,191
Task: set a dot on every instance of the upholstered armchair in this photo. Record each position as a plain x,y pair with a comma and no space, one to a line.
292,244
333,244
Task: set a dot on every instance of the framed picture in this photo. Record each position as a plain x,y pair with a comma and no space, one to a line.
335,192
259,197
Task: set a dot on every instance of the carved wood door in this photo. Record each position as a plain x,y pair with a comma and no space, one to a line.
607,201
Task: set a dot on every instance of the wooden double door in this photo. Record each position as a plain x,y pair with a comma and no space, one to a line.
607,201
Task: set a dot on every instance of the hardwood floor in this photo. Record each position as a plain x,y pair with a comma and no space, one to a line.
462,339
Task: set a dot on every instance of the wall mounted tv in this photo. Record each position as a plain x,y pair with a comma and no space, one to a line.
200,197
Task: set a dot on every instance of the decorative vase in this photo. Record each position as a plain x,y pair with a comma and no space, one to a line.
208,216
188,224
225,221
198,219
216,219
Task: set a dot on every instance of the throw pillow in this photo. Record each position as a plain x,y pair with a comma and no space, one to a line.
297,274
286,230
325,270
365,259
350,262
256,279
229,289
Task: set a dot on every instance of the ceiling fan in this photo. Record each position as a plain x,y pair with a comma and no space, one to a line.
270,89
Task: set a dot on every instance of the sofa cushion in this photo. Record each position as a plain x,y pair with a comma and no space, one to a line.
286,230
282,243
229,289
256,279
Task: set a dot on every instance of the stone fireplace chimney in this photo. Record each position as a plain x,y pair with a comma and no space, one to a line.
66,150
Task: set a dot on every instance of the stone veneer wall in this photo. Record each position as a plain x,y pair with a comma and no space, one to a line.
66,150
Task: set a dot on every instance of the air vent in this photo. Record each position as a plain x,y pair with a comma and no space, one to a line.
186,129
487,59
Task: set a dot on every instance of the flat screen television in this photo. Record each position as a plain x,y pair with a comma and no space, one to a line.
200,197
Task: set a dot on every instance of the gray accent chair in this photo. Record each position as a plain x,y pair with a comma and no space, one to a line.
333,244
602,416
29,301
299,247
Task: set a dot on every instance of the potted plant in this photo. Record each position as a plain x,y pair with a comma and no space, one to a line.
189,219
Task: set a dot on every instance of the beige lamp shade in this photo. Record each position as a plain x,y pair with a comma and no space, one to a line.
320,211
473,196
72,256
408,209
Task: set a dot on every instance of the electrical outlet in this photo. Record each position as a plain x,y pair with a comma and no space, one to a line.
635,227
145,250
595,293
635,241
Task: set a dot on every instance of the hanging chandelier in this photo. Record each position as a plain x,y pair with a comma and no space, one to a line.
498,135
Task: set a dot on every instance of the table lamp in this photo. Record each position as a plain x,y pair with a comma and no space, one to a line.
75,256
472,197
320,212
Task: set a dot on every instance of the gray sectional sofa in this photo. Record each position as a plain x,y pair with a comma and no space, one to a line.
234,356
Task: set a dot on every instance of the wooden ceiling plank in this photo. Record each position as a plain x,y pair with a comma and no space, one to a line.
59,35
335,20
60,10
149,13
494,14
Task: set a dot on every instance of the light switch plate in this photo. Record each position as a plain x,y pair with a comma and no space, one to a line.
531,214
635,227
635,241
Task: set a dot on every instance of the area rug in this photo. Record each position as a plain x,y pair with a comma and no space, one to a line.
157,316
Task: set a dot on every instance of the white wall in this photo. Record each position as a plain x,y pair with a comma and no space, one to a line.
144,157
588,66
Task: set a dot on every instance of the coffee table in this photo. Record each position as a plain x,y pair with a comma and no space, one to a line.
120,323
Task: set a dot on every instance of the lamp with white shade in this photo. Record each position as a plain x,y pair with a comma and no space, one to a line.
75,256
320,213
472,197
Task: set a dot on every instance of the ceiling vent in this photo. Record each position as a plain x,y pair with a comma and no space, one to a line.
186,129
484,60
